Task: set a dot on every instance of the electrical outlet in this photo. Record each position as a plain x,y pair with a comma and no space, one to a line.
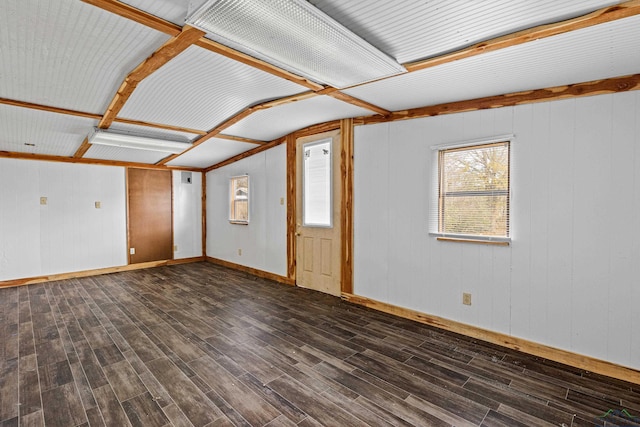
43,200
132,251
240,252
175,248
98,205
466,298
282,200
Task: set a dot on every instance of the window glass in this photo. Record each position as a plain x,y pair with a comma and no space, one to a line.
317,203
474,190
239,199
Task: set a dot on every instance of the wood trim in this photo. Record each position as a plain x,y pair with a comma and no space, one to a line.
346,209
241,139
341,96
137,15
317,128
168,51
159,126
291,207
246,154
215,132
596,87
607,14
96,272
84,147
580,361
252,271
256,63
204,214
50,109
87,161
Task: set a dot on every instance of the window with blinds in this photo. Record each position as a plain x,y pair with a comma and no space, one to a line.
473,191
239,199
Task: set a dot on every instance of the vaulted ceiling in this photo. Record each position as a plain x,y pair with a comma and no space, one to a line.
67,66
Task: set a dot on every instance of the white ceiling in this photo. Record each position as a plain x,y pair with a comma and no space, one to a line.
67,54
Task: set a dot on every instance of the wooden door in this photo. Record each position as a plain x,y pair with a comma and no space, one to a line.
318,214
150,215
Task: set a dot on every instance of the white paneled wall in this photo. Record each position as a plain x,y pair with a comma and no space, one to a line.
187,215
263,242
68,233
570,277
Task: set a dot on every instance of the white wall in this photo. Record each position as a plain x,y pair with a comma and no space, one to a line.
68,233
264,240
187,216
569,278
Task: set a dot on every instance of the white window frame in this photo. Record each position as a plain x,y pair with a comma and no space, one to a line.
304,183
233,199
434,210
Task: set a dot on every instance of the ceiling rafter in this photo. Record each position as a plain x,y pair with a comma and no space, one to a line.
341,96
87,161
137,15
215,132
168,51
600,16
596,87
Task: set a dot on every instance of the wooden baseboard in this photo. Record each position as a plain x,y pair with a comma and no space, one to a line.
540,350
254,271
97,272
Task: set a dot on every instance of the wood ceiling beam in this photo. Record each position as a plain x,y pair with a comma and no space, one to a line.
215,132
137,15
168,51
335,93
607,14
84,147
86,161
241,139
596,87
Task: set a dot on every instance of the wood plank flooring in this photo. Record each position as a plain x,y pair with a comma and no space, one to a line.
201,345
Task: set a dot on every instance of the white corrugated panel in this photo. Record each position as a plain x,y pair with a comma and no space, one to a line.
272,123
210,152
170,10
413,29
603,51
104,152
200,89
69,54
52,134
409,30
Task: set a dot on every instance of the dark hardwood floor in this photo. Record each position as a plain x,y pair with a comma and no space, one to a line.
201,345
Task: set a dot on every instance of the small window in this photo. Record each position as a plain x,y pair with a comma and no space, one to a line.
239,200
317,204
473,191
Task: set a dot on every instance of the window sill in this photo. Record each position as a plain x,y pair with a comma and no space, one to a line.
495,241
239,222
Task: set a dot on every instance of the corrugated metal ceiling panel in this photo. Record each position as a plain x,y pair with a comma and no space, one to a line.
200,89
272,123
104,152
409,30
68,54
603,51
210,152
51,133
170,10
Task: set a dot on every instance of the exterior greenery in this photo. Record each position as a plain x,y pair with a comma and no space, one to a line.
474,190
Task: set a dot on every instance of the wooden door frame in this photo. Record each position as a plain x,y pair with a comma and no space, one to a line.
346,205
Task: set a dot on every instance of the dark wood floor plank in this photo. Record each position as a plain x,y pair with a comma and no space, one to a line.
195,405
251,406
199,344
143,411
